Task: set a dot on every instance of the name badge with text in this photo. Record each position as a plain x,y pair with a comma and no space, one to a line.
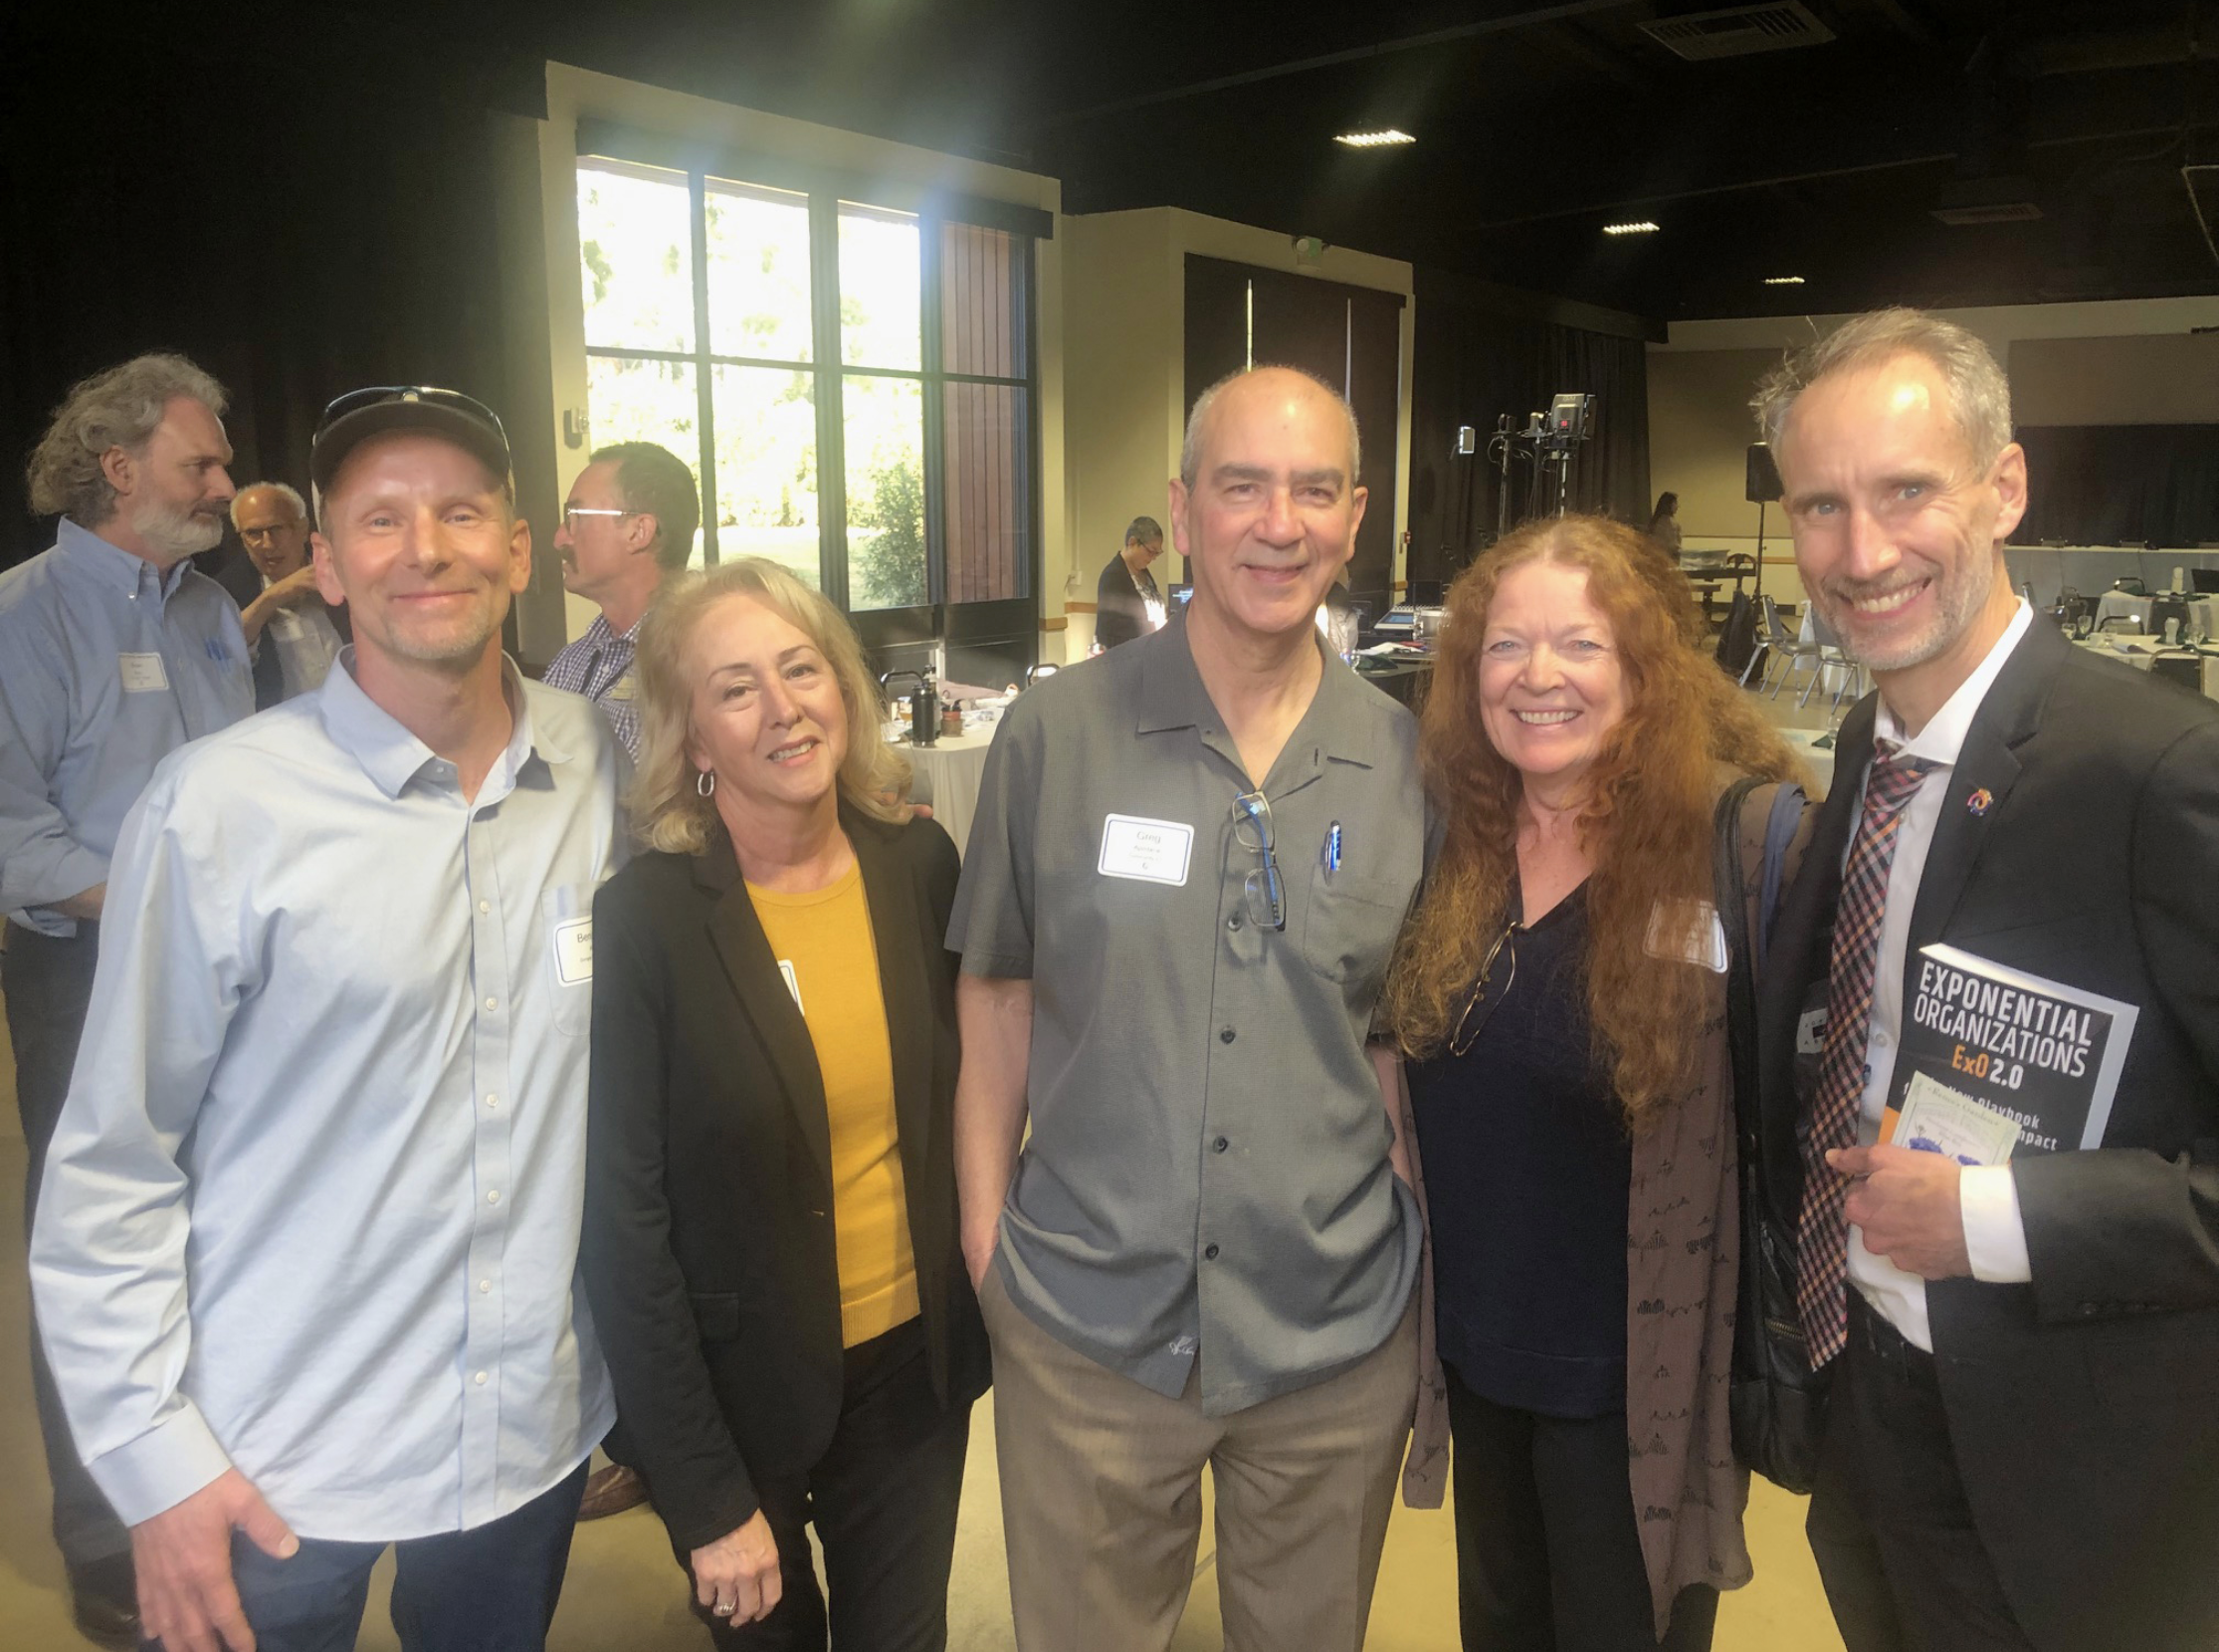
573,952
142,672
1153,851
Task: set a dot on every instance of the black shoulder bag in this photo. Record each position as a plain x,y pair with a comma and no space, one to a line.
1777,1402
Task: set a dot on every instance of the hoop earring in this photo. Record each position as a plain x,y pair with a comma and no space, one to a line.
705,783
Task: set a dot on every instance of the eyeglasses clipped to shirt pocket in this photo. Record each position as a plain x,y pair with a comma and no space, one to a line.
567,936
1349,924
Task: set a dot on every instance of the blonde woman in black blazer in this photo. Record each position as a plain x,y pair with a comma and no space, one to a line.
770,1245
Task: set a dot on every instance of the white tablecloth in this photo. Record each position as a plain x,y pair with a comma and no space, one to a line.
2203,611
949,774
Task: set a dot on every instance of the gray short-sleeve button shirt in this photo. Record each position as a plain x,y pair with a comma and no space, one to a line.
1207,1169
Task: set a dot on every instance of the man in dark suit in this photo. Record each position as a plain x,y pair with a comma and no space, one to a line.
2023,1442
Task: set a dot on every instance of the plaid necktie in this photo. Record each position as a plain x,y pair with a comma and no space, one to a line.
1822,1237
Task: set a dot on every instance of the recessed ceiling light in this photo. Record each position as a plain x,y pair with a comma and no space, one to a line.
1783,281
1644,227
1374,141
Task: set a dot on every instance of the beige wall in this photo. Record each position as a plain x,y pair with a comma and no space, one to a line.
2152,379
2129,362
575,94
1124,352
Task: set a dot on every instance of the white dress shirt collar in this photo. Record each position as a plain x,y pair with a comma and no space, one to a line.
392,756
1944,733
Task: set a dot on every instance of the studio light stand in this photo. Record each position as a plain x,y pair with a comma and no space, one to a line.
1551,442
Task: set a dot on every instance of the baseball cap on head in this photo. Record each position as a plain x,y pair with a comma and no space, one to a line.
353,418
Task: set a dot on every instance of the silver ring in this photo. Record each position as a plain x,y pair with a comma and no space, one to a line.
724,1608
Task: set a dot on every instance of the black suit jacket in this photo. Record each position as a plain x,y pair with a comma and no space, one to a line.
2084,1407
708,1250
1119,613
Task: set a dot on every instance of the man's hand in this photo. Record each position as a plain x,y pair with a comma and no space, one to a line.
1907,1203
186,1597
737,1576
85,903
289,592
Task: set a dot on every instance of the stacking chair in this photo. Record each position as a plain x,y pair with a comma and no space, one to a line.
1780,642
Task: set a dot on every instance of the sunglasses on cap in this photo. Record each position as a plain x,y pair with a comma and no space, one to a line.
360,414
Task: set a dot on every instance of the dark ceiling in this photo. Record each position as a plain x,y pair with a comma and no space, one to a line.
1535,125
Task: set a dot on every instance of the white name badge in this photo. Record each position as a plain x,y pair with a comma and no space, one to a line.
1153,851
142,672
573,952
1688,931
1810,1033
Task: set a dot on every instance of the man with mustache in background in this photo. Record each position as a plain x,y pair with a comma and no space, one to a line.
113,653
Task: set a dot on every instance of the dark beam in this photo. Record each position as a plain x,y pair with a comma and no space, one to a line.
1355,54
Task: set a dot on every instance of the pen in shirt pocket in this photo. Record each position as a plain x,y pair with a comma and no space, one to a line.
1332,849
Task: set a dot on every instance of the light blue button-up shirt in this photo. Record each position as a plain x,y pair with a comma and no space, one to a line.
106,666
313,1207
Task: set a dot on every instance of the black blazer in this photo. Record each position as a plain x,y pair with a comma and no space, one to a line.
2084,1407
708,1250
1119,613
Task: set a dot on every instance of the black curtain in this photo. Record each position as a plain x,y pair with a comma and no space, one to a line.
1350,336
2108,485
1481,353
301,211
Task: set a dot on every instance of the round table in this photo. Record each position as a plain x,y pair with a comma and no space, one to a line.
948,777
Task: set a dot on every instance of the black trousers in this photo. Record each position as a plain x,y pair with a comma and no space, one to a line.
1903,1569
48,984
1547,1548
883,1499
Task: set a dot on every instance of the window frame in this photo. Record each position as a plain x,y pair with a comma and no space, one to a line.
825,191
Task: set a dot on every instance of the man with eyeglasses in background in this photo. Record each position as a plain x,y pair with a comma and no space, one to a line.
1189,864
629,522
291,630
307,1244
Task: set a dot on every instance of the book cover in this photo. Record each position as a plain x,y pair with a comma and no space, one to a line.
1995,1060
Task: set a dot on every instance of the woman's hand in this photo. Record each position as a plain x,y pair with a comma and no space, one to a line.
737,1576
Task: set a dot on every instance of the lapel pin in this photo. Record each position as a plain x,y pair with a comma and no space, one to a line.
1980,802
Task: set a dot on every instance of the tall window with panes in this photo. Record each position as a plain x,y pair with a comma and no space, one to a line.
854,386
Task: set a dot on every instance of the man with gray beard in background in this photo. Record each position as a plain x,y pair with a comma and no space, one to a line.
113,653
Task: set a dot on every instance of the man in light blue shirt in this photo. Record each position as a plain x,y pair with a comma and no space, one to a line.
113,653
311,1219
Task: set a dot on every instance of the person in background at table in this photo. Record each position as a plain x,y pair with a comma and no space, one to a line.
113,653
1127,603
628,523
771,1244
1664,524
1180,896
291,630
309,1234
2022,1447
1561,1004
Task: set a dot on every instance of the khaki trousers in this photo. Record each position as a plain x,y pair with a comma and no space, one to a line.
1102,1497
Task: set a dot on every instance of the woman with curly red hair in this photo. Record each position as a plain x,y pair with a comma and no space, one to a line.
1560,998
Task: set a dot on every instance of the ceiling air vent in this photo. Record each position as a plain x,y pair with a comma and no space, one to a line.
1737,31
2002,212
1963,202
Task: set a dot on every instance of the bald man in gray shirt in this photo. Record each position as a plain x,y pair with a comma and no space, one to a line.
1188,868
